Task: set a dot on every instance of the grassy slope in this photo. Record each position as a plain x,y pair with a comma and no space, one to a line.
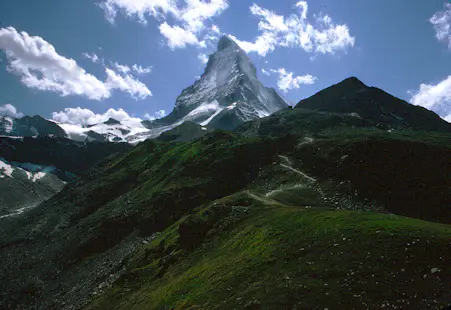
232,251
284,256
278,254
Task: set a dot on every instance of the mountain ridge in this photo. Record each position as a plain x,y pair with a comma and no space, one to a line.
353,96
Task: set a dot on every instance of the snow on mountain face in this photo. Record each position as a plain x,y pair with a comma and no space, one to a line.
6,124
31,171
230,78
227,94
24,185
29,126
109,131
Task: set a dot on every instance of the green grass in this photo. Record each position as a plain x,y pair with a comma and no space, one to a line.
313,259
356,134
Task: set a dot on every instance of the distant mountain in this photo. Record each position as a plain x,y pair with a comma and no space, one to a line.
29,126
33,169
111,130
227,95
25,185
351,96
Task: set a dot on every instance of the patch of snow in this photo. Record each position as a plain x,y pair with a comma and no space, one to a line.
8,123
202,110
38,176
203,128
112,132
6,167
205,123
232,106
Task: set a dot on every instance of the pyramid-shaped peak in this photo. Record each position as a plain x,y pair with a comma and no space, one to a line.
352,82
226,42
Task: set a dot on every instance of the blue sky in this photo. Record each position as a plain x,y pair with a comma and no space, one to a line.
138,55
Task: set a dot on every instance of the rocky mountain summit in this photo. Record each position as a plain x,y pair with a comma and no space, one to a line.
227,94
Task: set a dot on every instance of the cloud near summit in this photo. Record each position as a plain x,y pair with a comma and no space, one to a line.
317,35
189,18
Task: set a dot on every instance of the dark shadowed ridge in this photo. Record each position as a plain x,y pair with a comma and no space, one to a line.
353,96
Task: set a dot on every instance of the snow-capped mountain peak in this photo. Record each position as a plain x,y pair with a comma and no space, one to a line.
228,92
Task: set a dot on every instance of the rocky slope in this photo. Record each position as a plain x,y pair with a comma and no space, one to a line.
227,94
29,126
34,169
300,210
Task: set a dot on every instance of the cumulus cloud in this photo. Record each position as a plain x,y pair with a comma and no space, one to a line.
127,83
10,110
39,66
84,117
441,21
190,17
178,37
203,58
318,36
156,115
435,97
287,81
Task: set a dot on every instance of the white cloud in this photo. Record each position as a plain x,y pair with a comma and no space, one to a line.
10,110
215,29
296,31
83,117
442,24
287,81
435,97
197,11
93,57
138,69
156,115
127,83
138,8
203,58
190,17
124,69
39,66
179,37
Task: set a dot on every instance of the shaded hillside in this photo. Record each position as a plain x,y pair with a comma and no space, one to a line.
62,153
188,131
303,209
302,121
352,96
29,126
140,193
220,221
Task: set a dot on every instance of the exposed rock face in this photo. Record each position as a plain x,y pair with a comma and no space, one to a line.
227,94
29,126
